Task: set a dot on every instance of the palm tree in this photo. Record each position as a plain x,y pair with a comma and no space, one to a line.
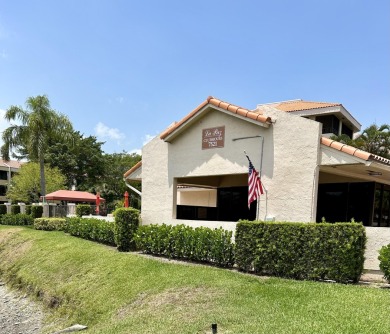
39,123
345,139
375,139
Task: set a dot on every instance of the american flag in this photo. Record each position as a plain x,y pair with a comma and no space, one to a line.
254,184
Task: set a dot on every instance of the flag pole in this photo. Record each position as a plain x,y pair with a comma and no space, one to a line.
260,170
258,175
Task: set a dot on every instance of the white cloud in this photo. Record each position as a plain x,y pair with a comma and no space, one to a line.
147,139
103,131
120,99
136,151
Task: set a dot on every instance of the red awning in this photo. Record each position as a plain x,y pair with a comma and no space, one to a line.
72,196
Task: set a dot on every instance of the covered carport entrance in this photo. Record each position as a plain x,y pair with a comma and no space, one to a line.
214,198
354,192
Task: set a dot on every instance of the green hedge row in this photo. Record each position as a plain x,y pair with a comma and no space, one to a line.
50,224
302,250
384,261
184,242
83,210
35,211
15,209
126,224
92,229
16,219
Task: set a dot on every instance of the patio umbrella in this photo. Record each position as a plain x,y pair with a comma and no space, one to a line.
126,199
97,203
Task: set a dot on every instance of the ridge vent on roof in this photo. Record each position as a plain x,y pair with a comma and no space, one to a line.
264,104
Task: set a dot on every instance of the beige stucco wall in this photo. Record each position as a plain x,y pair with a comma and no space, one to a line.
289,167
376,238
290,172
204,197
187,158
156,194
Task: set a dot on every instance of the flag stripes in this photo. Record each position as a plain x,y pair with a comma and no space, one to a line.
254,184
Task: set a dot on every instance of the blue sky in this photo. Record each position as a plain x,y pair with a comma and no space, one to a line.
124,70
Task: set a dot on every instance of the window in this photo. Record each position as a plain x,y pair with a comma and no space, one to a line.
340,202
345,130
330,124
3,175
3,190
382,206
214,198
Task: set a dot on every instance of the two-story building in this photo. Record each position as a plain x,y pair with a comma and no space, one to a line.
7,170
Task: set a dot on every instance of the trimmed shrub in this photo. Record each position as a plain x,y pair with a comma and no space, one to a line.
384,261
184,242
50,224
36,211
126,224
91,229
3,209
28,209
83,210
15,209
19,219
302,250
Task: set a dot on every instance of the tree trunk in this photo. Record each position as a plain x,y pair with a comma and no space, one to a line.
42,172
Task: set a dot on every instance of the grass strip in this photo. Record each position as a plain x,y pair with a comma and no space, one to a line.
111,292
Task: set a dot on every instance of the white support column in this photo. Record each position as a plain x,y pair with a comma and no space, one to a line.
8,206
22,207
46,210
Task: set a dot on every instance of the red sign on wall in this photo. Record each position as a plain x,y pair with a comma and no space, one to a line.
213,137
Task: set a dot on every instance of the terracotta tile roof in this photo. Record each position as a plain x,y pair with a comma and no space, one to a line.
297,105
132,169
12,163
353,151
254,115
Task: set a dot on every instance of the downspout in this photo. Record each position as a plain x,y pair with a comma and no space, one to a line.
132,188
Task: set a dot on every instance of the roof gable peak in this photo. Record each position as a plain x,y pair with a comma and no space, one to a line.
253,115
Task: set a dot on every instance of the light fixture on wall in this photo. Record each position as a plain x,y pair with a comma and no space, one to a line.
374,173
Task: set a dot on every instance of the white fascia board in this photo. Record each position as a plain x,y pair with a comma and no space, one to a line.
350,118
316,111
329,111
136,175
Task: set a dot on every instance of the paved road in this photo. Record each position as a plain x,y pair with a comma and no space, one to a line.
18,315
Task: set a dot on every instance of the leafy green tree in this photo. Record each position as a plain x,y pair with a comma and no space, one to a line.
81,160
111,186
38,124
25,185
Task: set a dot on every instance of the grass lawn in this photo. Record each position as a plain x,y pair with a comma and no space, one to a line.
111,292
